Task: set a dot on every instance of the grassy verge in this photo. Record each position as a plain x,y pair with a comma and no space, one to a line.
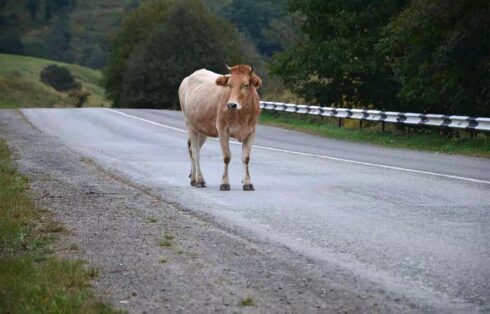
429,141
20,85
32,280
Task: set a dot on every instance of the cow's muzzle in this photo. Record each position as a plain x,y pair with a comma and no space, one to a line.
232,106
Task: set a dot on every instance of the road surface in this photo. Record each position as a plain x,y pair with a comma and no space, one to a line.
415,224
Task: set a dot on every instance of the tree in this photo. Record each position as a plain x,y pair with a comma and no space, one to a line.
190,38
11,42
58,39
337,64
51,7
253,18
33,7
162,42
439,53
136,28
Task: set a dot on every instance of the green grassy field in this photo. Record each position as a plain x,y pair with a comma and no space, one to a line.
20,85
32,279
461,143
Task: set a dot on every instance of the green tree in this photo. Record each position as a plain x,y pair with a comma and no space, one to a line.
162,42
135,30
11,42
190,38
59,37
253,18
337,64
33,7
439,53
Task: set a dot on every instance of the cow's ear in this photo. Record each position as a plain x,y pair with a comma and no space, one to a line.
255,81
222,80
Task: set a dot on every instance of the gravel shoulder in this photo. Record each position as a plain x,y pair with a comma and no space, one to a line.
154,256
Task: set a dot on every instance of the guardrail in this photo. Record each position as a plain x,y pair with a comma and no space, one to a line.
450,121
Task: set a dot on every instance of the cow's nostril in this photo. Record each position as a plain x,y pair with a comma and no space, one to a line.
232,105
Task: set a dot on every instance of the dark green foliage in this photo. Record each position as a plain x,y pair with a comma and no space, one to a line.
95,57
59,78
146,70
338,64
51,7
11,42
424,56
136,28
58,39
439,53
33,7
253,18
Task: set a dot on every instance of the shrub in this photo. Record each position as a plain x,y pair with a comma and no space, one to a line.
59,78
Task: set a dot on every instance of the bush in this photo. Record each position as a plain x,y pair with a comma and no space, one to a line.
59,78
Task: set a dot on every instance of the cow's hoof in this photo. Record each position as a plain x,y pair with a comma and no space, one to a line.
248,187
201,184
224,187
193,182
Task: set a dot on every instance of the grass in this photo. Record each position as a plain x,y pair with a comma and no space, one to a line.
429,140
247,302
151,219
20,85
32,280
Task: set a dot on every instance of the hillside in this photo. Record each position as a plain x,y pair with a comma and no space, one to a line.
80,31
65,30
20,85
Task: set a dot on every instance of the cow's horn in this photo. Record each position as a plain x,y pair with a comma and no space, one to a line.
228,67
252,67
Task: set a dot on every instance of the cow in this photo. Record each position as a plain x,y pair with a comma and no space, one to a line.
221,106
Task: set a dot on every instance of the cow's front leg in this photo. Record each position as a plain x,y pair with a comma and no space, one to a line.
246,148
197,180
224,141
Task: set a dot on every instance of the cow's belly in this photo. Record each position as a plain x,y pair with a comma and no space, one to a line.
202,124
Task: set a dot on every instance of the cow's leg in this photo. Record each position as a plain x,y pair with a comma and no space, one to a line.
224,141
195,148
192,175
202,139
246,148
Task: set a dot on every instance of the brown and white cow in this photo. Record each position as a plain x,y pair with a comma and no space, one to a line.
221,106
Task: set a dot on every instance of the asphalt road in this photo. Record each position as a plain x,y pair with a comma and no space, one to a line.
415,224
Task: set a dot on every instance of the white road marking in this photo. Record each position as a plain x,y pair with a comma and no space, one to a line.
315,155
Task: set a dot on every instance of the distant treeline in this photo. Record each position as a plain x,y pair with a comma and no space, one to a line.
429,56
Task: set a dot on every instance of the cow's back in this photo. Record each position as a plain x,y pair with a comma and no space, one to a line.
199,99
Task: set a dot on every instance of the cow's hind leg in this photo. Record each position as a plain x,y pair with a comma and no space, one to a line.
196,179
192,175
246,149
224,141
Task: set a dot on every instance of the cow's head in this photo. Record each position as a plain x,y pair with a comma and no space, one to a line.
242,81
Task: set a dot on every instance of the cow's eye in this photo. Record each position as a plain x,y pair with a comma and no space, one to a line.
245,85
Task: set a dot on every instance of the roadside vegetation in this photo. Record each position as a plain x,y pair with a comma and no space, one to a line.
428,139
32,279
21,85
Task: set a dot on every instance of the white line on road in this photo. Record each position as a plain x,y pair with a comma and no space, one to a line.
315,155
